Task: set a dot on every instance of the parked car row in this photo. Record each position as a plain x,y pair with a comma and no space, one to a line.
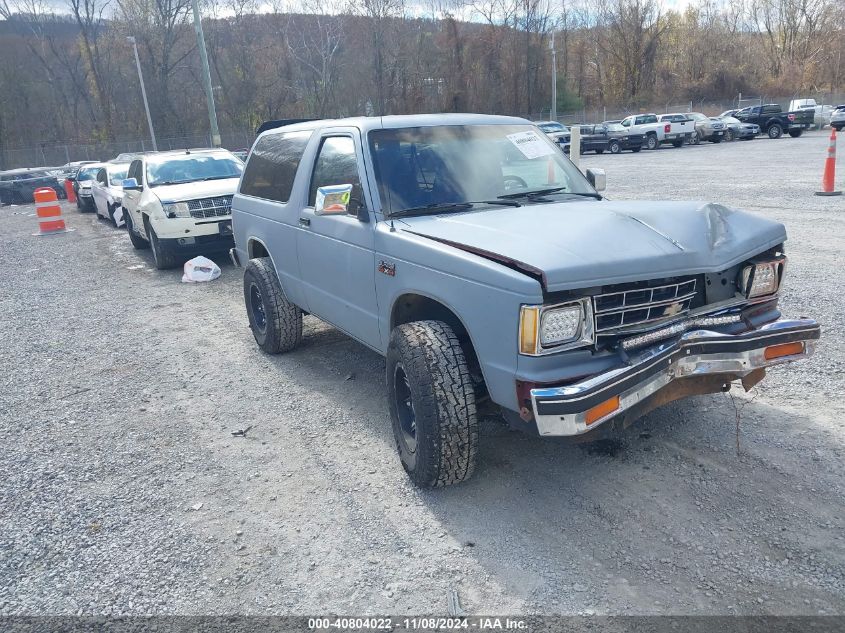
650,131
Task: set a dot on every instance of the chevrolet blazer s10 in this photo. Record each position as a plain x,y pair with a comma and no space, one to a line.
484,266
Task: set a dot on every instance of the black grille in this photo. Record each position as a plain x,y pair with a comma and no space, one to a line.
210,207
638,306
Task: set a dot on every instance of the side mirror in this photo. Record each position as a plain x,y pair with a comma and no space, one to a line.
333,200
131,184
597,178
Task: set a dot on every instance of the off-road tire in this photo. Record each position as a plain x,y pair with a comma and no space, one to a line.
163,259
651,142
443,403
614,147
796,133
775,131
282,328
138,242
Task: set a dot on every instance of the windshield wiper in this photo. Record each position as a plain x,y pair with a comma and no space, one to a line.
448,207
218,178
168,182
530,194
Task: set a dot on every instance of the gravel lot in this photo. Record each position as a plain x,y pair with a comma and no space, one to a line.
124,491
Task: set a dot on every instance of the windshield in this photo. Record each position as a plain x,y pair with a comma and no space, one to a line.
441,165
616,127
730,119
118,174
87,174
193,167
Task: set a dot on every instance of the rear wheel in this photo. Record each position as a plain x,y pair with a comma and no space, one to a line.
275,322
775,131
614,147
796,133
432,404
651,142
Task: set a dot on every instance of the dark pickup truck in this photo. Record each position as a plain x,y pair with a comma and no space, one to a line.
774,121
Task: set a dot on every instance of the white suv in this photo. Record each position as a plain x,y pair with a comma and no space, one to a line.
180,203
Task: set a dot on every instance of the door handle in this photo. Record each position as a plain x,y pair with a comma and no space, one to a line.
304,222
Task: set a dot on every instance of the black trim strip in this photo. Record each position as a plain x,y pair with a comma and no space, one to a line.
577,403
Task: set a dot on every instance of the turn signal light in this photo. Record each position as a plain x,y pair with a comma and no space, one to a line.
601,410
784,349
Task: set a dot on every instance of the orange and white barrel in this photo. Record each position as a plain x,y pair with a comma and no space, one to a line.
49,212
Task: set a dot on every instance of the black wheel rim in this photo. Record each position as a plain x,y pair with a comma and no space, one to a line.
256,308
405,409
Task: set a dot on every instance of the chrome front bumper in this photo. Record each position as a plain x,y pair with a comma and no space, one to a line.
702,355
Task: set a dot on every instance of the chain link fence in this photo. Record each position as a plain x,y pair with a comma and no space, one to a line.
53,154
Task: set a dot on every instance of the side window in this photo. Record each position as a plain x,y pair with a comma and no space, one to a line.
626,122
101,176
272,165
135,171
336,164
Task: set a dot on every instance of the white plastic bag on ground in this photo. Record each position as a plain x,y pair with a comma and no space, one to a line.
200,269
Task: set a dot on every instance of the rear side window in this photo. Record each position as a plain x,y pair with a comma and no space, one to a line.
272,165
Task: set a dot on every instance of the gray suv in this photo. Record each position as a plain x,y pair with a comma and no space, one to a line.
487,269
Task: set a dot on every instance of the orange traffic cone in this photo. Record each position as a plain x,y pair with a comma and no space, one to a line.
830,169
49,212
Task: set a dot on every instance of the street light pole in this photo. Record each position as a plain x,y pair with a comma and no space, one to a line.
206,76
131,40
553,112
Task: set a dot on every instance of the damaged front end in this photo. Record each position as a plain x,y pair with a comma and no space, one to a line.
698,362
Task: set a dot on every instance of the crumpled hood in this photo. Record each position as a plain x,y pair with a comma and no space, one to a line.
195,190
590,243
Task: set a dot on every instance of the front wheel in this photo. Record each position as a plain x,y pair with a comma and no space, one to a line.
615,147
729,136
432,404
138,242
163,258
695,138
651,142
276,323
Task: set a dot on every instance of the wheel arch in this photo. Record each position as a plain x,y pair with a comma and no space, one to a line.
411,306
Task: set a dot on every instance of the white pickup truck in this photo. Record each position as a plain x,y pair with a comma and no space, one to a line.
657,132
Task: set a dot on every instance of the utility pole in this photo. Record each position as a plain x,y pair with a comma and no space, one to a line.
206,76
553,113
131,40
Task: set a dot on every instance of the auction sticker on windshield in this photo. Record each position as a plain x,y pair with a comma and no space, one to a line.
531,145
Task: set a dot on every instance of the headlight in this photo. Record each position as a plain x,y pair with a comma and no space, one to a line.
546,329
176,210
759,280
